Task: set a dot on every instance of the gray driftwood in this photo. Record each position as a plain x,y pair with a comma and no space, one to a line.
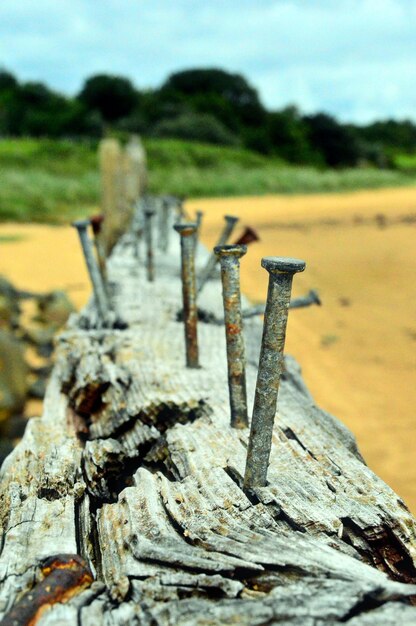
134,466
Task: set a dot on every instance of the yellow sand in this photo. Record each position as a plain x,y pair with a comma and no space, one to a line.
357,351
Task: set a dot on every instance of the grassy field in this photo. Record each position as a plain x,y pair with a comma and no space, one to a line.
54,181
47,181
405,162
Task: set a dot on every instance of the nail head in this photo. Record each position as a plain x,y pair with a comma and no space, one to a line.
236,250
282,264
81,223
187,228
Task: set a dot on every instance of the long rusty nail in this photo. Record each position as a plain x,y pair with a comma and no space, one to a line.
190,311
206,273
96,222
229,257
148,219
164,230
100,295
281,271
248,236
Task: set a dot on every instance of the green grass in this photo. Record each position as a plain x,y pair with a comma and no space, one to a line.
47,181
405,162
55,181
197,170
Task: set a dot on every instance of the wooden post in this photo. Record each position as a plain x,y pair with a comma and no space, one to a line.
123,175
110,157
134,170
133,477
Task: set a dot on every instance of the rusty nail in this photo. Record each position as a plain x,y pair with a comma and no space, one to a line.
248,236
229,257
312,297
148,218
164,230
96,222
100,296
190,311
64,576
281,271
206,273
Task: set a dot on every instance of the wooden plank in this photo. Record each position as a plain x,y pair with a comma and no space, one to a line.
133,466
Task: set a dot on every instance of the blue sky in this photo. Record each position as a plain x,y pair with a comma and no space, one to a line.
355,59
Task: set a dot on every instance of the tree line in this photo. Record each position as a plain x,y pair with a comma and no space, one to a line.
206,105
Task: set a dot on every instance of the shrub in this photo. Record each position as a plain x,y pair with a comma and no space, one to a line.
196,127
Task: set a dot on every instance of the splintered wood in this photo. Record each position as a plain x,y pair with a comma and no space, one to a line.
134,468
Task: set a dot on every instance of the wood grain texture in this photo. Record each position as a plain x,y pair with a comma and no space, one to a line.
133,465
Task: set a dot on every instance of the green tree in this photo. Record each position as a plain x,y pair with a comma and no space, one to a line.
113,96
227,96
391,134
288,135
7,81
35,110
338,144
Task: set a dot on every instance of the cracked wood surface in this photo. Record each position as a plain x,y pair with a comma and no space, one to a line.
134,467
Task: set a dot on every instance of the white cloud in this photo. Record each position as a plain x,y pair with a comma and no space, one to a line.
353,58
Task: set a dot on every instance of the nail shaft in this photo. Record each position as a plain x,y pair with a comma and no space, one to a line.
148,232
229,257
190,311
312,297
199,216
209,268
164,229
100,295
96,225
137,226
281,271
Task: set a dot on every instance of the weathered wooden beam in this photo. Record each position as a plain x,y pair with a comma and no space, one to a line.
134,467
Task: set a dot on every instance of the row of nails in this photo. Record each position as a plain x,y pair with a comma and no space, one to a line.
189,237
151,209
281,271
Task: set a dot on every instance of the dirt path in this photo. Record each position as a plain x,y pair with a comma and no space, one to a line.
358,351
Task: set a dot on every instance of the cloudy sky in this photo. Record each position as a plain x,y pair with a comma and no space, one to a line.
353,58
